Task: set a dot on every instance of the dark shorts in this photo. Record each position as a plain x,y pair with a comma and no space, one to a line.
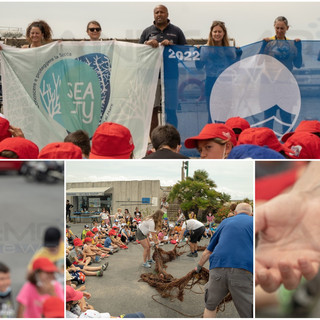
140,236
196,234
238,282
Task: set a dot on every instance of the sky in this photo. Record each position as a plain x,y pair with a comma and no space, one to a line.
232,177
247,22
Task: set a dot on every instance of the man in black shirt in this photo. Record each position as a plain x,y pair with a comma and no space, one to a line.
162,32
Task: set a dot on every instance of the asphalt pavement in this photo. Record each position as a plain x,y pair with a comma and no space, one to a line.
121,291
27,209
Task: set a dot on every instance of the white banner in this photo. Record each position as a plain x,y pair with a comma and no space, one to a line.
65,86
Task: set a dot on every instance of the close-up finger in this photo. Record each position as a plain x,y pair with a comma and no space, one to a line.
290,276
269,279
308,269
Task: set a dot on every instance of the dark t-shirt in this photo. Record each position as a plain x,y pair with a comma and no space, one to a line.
6,306
165,154
171,32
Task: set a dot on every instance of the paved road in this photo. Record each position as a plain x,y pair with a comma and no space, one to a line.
120,291
27,209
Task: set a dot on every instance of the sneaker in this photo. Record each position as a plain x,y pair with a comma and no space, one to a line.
191,254
151,261
195,254
100,273
104,266
146,265
161,244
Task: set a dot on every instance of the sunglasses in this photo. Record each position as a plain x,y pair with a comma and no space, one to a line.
95,29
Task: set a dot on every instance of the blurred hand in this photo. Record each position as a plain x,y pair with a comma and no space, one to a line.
153,43
289,239
16,132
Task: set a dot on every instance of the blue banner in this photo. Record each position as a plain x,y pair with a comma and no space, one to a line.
273,84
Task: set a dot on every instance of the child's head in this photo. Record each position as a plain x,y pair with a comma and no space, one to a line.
5,279
42,272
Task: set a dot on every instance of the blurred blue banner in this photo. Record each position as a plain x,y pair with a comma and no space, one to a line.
273,84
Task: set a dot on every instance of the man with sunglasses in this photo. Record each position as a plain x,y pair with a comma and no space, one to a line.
94,30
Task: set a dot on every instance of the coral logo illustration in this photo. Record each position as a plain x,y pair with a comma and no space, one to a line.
260,89
76,92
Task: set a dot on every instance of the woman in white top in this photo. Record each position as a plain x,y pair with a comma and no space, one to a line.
150,224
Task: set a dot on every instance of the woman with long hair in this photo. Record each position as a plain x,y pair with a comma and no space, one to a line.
38,33
214,58
150,225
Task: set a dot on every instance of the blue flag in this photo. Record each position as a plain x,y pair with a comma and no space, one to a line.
273,84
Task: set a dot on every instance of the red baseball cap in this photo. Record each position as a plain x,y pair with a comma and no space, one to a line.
60,150
44,264
303,145
4,128
77,242
261,137
111,141
237,123
115,227
53,307
211,131
304,126
95,230
87,239
112,233
24,148
89,234
73,295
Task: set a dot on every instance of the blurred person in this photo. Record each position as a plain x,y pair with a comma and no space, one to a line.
6,303
112,141
237,124
262,136
38,33
53,307
215,141
230,252
251,151
41,285
312,126
81,139
303,145
94,30
68,210
18,148
60,150
52,249
167,143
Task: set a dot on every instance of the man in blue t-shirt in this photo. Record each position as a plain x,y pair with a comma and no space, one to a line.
230,253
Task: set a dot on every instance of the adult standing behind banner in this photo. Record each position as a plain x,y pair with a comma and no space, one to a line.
164,33
287,52
94,30
38,33
217,59
231,263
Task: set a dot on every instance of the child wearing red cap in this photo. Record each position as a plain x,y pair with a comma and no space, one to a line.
215,141
18,148
40,286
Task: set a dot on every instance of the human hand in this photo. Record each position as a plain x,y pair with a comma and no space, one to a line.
267,39
297,40
166,42
15,131
87,295
197,269
153,43
288,247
